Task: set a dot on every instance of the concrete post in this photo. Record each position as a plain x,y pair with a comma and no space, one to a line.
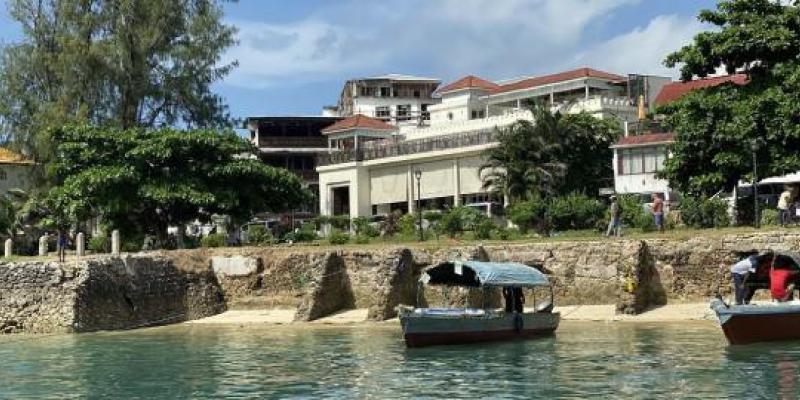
115,244
9,248
80,244
179,238
456,184
43,246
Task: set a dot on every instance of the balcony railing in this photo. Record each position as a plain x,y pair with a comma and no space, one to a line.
292,142
408,147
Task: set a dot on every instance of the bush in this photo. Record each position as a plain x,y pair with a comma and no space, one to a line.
483,229
407,225
644,221
770,217
213,240
338,237
306,233
392,223
527,215
575,211
704,212
363,227
341,222
259,235
99,244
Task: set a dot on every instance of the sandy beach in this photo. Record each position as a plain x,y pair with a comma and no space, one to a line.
602,313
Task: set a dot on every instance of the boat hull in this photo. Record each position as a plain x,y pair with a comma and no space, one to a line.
426,330
754,323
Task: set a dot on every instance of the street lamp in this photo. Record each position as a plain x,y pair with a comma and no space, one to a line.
754,148
418,175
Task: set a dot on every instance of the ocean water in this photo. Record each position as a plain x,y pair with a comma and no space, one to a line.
583,360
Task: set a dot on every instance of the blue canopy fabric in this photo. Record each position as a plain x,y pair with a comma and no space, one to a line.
479,273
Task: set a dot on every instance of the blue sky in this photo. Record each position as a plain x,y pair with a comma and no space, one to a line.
295,55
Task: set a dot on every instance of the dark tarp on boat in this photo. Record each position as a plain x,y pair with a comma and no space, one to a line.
479,273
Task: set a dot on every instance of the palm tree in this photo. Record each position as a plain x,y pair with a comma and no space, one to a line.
525,163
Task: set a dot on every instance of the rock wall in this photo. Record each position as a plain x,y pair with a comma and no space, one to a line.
120,293
103,294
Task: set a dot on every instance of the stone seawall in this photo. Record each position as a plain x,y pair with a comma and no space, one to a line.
163,287
103,294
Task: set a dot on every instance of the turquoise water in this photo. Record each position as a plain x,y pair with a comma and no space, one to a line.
614,360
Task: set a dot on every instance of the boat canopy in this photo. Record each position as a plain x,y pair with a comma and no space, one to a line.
784,259
478,273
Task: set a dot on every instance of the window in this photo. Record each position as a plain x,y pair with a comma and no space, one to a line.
383,112
476,114
386,91
403,111
638,161
416,93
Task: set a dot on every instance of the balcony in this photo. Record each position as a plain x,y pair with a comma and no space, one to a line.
293,142
408,147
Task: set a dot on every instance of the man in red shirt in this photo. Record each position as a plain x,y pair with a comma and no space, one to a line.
781,283
658,212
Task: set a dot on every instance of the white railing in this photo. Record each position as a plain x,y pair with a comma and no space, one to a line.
472,125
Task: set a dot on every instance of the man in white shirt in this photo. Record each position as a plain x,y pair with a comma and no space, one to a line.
739,272
783,206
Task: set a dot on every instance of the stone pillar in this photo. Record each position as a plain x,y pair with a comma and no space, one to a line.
412,189
43,246
115,244
9,248
179,238
80,244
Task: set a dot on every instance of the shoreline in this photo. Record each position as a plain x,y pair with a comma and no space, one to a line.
592,313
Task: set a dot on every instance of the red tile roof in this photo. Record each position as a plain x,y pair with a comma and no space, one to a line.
675,90
638,140
469,82
559,77
359,121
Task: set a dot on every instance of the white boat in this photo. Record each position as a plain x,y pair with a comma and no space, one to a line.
442,326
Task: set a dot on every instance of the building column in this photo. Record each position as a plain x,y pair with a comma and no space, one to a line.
487,111
519,104
587,90
456,185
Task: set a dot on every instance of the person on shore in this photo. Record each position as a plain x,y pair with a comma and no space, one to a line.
740,272
783,206
62,246
658,212
614,225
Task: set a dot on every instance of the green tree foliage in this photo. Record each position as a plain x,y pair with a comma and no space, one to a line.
141,180
123,63
703,212
575,211
553,154
717,126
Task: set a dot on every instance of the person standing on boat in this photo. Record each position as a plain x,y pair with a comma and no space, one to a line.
740,272
782,282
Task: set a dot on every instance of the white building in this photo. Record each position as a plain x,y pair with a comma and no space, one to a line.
637,160
371,169
393,98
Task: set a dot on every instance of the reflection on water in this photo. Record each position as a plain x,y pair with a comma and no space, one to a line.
617,360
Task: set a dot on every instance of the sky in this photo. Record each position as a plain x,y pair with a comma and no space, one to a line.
295,55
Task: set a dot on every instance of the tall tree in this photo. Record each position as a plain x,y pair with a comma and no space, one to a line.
123,63
552,154
141,180
718,128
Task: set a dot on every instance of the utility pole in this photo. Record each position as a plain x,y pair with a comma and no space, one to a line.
756,219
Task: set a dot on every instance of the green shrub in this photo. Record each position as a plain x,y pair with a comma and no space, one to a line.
338,237
530,214
306,233
407,225
259,235
341,222
451,224
483,229
213,240
99,244
631,210
363,227
575,211
644,221
770,217
392,223
703,212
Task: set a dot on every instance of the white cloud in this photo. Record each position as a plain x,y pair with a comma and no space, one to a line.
642,50
450,38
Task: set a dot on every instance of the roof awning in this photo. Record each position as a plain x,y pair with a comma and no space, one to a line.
489,274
